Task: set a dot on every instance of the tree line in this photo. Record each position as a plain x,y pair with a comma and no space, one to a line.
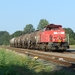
5,36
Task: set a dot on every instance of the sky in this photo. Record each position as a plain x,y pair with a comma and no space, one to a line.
16,14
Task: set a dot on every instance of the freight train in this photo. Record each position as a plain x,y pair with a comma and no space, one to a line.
52,37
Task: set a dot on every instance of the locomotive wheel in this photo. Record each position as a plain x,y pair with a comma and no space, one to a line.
50,50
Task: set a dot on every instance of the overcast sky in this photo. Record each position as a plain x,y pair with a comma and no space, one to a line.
15,14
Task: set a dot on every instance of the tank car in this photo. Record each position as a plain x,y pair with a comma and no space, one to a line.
19,41
25,41
12,42
16,42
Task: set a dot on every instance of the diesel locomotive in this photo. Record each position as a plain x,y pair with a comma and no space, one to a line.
52,37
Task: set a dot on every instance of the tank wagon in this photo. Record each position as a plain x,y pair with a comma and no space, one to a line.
52,37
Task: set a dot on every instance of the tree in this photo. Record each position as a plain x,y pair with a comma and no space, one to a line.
29,28
4,38
71,35
17,33
70,32
42,24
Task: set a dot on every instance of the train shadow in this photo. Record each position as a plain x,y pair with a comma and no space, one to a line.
59,51
70,50
62,51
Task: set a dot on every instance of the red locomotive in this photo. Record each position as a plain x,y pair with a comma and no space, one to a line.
52,37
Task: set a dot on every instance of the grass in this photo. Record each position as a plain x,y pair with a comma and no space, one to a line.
72,46
13,64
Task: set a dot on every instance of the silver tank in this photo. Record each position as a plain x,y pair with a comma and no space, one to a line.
12,40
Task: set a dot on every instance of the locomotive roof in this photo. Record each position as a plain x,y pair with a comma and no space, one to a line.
53,26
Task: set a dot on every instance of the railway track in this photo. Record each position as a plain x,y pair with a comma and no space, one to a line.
65,61
66,52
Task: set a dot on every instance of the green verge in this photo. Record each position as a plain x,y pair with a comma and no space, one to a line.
14,64
72,46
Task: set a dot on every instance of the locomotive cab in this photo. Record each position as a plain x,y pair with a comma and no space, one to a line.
52,33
